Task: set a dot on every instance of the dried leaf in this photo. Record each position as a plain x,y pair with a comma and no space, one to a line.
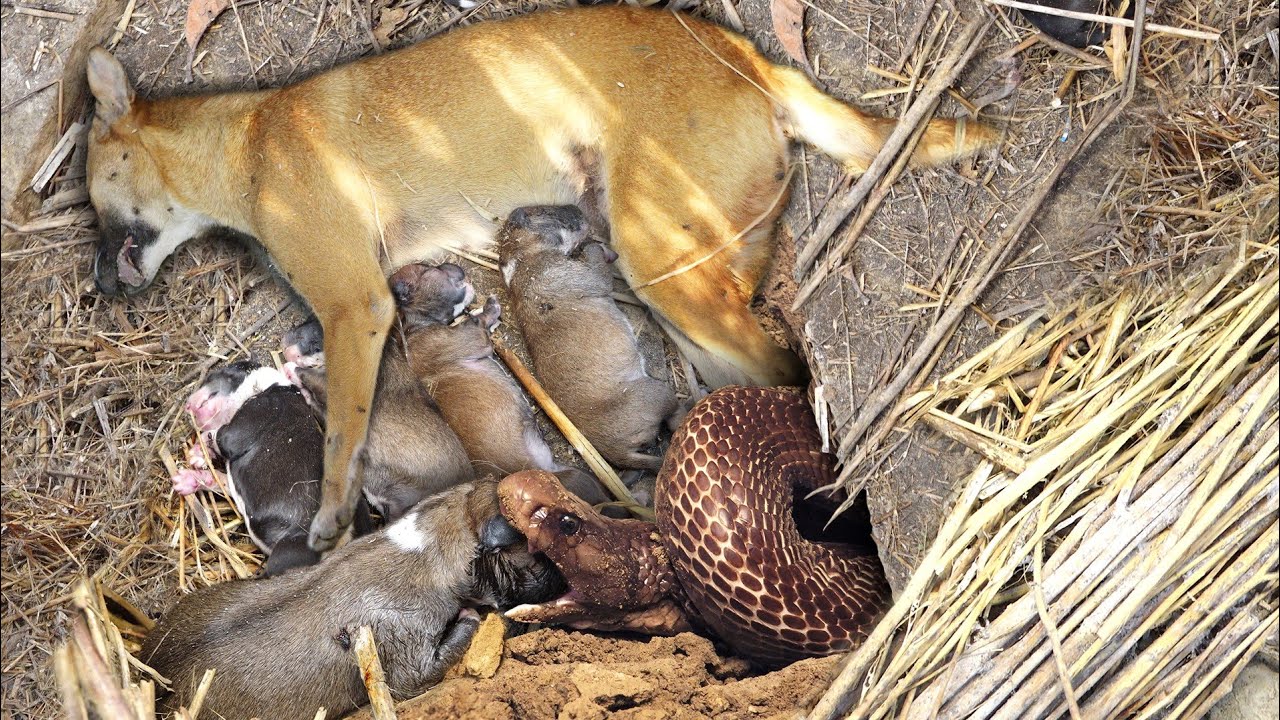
788,25
200,15
388,22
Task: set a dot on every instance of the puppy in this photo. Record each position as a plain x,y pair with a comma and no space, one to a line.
282,647
256,420
456,365
411,452
583,347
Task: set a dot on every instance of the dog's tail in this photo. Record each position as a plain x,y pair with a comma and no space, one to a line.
853,137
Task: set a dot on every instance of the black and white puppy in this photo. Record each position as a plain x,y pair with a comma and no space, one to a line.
252,417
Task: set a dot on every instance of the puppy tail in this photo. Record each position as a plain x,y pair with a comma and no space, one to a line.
854,137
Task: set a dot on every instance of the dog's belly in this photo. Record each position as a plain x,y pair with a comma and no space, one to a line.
467,217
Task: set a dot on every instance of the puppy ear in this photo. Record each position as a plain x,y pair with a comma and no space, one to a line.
497,533
453,272
109,85
492,313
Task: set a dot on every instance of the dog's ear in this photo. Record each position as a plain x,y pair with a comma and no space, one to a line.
109,85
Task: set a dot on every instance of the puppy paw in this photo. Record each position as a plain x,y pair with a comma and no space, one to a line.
196,457
189,481
290,370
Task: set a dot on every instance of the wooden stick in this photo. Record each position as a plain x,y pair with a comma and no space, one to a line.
1106,19
61,151
106,697
375,680
961,432
571,433
835,213
202,690
73,707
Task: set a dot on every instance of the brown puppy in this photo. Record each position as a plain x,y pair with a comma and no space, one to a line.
584,349
282,647
411,452
349,174
456,365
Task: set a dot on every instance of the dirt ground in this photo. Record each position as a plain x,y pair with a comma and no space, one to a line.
92,388
555,674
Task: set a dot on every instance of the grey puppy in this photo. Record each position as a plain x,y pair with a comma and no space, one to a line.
583,348
411,452
282,647
456,365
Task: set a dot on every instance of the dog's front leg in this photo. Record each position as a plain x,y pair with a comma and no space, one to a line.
354,333
342,281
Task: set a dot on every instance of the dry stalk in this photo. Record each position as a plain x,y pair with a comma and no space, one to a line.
966,44
381,703
571,433
1133,532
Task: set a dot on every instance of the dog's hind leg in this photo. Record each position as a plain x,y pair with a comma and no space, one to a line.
694,234
710,319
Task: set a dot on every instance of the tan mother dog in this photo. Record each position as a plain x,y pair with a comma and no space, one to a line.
671,129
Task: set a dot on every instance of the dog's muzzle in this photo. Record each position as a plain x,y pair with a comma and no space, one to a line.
115,265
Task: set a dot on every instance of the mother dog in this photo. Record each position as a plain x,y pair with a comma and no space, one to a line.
671,130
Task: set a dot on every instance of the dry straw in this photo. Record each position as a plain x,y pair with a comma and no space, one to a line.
1115,552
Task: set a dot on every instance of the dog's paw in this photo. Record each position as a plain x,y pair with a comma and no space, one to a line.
189,481
327,528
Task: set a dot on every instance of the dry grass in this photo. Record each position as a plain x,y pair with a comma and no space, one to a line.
1114,553
92,388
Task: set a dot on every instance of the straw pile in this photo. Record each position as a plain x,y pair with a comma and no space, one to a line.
1114,552
94,665
1124,510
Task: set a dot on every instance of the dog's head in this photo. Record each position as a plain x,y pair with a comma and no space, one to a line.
141,221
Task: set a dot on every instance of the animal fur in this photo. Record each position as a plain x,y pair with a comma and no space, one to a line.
258,423
584,349
455,364
411,452
352,173
282,647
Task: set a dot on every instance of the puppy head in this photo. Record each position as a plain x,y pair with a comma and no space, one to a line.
303,342
505,572
226,389
428,294
540,228
141,222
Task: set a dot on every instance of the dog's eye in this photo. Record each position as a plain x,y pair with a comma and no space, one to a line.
569,524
